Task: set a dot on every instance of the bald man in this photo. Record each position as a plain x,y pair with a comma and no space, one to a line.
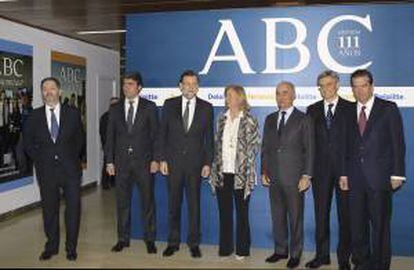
287,164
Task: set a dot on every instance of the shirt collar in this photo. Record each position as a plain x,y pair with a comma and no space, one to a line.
368,105
55,108
334,102
288,110
192,101
135,100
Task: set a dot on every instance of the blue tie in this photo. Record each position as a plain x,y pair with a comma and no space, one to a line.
329,116
54,127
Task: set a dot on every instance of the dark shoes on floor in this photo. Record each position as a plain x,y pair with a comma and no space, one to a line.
47,254
293,263
151,248
71,255
318,262
275,258
195,252
170,250
119,246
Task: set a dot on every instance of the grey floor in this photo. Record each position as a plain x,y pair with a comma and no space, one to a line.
22,241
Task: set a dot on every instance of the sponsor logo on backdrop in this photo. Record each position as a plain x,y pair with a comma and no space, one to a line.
265,96
349,46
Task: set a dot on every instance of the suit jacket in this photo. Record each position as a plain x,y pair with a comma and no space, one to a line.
103,126
142,139
194,147
285,159
67,149
329,144
380,152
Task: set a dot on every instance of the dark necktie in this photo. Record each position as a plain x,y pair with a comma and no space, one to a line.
186,116
281,124
54,126
130,116
362,121
329,116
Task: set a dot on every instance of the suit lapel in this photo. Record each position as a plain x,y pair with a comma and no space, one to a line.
62,122
138,113
290,122
354,118
120,114
44,125
321,114
179,111
196,115
275,132
373,116
337,110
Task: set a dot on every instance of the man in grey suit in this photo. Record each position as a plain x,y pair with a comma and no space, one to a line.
287,164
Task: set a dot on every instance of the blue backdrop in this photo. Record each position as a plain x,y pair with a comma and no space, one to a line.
258,48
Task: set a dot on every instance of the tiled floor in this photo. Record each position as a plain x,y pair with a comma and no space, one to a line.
22,241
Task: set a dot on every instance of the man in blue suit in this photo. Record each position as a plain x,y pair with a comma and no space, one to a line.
375,168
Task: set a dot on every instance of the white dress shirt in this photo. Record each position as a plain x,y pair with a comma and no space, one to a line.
126,106
192,106
368,107
287,115
326,106
56,110
230,134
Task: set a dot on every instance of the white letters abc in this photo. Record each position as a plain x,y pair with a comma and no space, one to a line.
227,28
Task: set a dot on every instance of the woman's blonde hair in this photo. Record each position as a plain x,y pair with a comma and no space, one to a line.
239,90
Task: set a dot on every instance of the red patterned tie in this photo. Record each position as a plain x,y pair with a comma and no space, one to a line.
362,121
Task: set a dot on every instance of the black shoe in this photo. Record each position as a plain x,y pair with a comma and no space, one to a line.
344,266
318,262
151,248
170,250
46,255
275,258
224,254
293,263
71,255
195,252
119,246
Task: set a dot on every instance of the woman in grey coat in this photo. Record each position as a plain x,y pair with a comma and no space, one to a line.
237,143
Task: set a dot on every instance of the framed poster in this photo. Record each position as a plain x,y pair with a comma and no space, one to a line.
70,70
16,92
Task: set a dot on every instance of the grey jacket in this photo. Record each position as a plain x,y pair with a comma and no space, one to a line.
285,159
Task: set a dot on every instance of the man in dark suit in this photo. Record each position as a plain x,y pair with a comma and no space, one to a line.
329,117
106,180
130,155
375,167
186,154
53,138
287,166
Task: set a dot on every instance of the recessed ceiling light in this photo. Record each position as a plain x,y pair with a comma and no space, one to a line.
100,32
